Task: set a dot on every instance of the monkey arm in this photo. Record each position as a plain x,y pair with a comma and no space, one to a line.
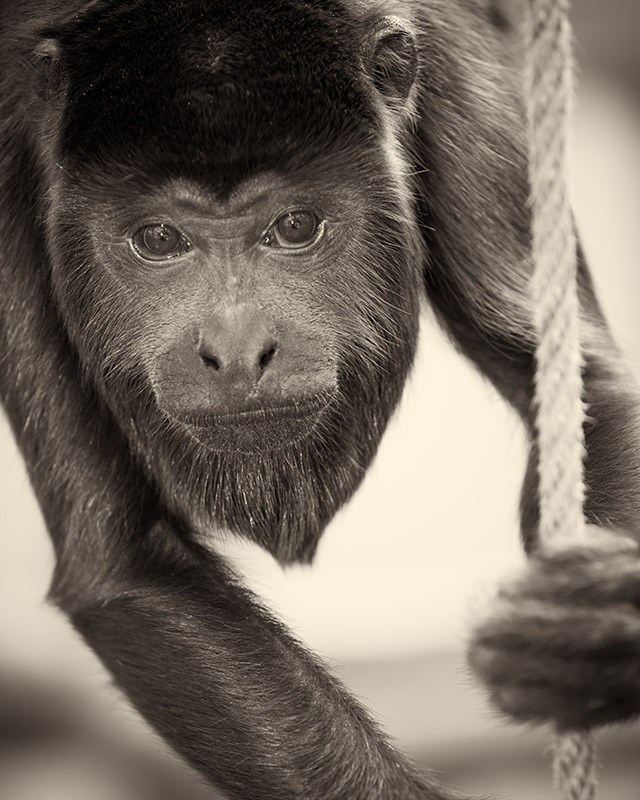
228,687
563,643
214,673
211,671
224,683
548,652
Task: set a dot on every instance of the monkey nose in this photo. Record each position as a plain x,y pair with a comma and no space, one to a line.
237,345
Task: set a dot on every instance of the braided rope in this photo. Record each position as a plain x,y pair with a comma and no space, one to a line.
575,766
558,382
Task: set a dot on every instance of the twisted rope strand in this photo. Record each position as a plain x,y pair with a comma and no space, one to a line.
558,398
558,381
575,764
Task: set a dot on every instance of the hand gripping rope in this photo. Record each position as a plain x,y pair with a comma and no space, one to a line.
579,572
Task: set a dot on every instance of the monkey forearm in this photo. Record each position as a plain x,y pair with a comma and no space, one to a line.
613,462
237,696
612,427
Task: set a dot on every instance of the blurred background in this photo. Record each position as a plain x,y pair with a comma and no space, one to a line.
400,573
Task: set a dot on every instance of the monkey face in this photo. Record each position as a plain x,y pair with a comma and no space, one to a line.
238,307
248,346
250,363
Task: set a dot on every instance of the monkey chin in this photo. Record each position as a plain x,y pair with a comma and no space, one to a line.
257,430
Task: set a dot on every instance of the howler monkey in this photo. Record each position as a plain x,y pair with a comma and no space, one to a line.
217,219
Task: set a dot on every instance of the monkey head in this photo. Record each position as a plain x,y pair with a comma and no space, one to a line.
233,245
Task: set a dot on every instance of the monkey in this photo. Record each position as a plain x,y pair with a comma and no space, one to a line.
217,222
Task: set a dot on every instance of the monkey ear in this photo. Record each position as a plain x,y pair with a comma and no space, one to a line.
49,80
391,57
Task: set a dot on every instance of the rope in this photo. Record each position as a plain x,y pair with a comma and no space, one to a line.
558,380
575,765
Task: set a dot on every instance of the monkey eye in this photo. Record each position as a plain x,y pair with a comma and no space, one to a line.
159,242
295,229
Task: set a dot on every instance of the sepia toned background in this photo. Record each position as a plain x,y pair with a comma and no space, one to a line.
402,571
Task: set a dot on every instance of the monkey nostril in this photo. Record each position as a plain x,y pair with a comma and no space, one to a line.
267,357
216,364
210,361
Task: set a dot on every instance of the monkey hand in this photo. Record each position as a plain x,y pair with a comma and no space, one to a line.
563,643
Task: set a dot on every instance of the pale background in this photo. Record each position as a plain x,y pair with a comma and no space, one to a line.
400,573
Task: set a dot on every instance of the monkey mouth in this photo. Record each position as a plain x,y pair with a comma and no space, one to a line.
264,427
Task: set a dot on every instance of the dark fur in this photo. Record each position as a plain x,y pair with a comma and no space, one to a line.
563,642
431,181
